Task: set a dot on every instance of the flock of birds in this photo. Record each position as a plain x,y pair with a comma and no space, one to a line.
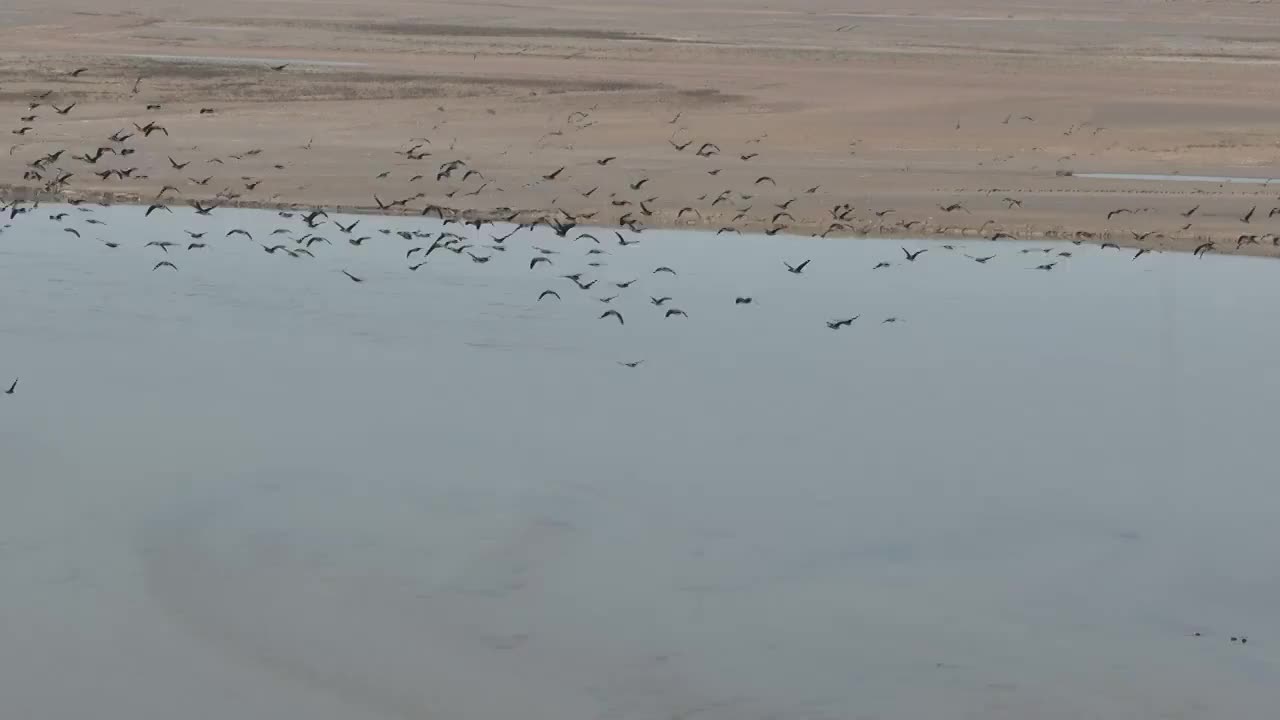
52,173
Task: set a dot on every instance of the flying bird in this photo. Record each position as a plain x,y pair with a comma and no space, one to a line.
1249,215
1203,248
78,71
63,111
676,311
554,175
663,269
837,324
742,301
634,364
12,387
352,277
762,178
153,208
797,269
164,263
613,313
545,293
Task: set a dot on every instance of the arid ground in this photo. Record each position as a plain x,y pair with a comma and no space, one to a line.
897,109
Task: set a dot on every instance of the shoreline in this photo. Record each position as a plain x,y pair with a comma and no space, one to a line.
658,221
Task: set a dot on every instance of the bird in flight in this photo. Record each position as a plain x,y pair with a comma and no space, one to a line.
164,263
634,364
742,301
278,68
796,269
676,311
352,277
1249,215
837,324
663,269
911,256
1190,212
1203,248
981,260
1046,266
613,313
953,207
155,207
553,175
62,111
12,387
545,293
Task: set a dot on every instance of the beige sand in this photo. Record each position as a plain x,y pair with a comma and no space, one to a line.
907,106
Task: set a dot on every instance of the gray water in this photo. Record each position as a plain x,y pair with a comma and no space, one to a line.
252,488
1226,179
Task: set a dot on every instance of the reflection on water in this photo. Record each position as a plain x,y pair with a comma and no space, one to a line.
254,487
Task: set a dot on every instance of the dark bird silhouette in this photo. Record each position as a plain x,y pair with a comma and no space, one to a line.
638,184
623,241
73,231
1249,215
206,111
837,324
634,364
481,259
742,301
785,214
612,313
278,68
659,301
602,161
680,147
22,130
1190,212
78,71
347,228
953,207
164,263
352,277
1139,254
664,269
13,386
1106,245
195,246
797,269
153,208
708,149
545,293
194,235
63,111
911,256
1142,236
676,311
1118,211
763,178
748,156
1013,202
553,175
238,231
163,245
201,209
1046,266
980,260
1203,248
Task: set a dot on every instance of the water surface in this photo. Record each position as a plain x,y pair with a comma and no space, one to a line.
254,488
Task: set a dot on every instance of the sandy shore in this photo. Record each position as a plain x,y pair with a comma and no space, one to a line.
898,111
